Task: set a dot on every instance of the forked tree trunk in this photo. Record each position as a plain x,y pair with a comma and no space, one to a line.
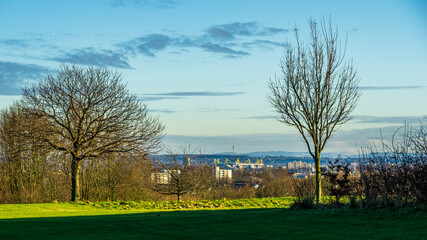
318,175
75,180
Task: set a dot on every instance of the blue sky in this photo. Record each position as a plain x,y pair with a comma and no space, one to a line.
203,66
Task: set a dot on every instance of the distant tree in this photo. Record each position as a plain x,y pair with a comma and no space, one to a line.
317,91
276,183
88,112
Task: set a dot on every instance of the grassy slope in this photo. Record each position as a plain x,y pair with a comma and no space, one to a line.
265,223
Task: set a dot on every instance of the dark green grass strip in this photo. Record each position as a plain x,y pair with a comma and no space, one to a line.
225,224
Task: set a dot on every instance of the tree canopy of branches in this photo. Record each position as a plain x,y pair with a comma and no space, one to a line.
88,112
316,91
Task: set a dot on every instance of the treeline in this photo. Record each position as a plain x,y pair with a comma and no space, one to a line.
392,173
80,135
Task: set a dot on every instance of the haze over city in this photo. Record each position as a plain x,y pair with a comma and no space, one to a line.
203,67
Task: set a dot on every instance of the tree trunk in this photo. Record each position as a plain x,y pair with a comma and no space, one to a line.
75,179
318,177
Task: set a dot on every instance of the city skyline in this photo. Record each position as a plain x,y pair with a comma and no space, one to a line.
203,67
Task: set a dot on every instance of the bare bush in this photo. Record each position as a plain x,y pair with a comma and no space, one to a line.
339,181
394,173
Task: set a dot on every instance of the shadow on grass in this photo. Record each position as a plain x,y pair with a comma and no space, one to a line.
222,224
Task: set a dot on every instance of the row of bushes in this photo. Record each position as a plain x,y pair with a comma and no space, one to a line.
393,173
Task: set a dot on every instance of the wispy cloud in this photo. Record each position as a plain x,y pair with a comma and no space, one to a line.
161,111
363,119
183,95
144,3
209,109
216,48
196,94
14,76
93,57
147,45
368,88
263,117
157,98
262,43
233,30
228,40
353,30
14,43
389,119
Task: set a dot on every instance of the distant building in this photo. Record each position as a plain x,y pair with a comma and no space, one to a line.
258,164
223,172
248,165
299,175
187,161
163,177
300,165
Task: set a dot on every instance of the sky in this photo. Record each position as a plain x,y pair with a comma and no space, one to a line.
203,66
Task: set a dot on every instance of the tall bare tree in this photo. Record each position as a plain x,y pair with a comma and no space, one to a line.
316,91
88,112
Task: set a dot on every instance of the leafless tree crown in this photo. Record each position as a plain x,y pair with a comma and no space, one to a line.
317,90
89,112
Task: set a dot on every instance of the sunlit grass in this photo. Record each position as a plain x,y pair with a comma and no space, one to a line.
120,207
269,218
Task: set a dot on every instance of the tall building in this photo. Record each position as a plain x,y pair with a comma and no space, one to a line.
164,176
223,173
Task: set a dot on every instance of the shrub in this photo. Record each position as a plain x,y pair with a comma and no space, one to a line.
354,203
304,203
340,184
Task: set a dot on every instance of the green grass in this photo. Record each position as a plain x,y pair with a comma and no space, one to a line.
264,219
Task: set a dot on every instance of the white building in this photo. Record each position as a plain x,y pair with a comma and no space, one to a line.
223,173
163,177
299,164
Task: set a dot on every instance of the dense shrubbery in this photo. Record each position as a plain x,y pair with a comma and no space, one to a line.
395,173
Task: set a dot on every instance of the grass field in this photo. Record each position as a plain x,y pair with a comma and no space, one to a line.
271,219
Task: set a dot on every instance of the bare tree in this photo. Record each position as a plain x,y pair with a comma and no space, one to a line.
88,112
317,91
181,174
24,159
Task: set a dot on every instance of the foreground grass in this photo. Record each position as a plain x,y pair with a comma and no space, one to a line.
112,221
126,207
